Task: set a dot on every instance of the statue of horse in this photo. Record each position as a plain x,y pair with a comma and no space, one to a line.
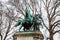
30,21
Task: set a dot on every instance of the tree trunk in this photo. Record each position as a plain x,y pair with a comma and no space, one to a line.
51,35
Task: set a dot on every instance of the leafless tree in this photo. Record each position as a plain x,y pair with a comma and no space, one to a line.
52,8
7,18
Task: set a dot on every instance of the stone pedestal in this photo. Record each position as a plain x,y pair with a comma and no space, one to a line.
28,36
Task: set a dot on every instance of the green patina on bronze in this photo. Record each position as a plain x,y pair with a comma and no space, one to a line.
30,21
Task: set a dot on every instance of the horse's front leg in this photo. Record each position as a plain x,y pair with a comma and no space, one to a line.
20,28
24,29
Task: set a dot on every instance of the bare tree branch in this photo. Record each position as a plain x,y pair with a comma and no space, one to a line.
43,2
55,22
54,7
54,26
56,31
49,3
44,25
8,29
19,10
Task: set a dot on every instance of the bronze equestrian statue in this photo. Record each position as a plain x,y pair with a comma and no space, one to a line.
30,22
